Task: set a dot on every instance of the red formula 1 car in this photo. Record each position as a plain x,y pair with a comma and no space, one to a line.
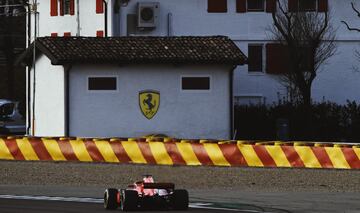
147,195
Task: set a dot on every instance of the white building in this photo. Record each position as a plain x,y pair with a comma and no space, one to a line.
244,21
133,86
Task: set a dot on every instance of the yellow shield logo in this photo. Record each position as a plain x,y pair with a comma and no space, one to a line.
149,101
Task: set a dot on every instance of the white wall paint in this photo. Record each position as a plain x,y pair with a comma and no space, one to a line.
90,21
190,17
49,99
181,114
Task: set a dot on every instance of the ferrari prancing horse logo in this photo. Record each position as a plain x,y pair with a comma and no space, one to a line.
149,101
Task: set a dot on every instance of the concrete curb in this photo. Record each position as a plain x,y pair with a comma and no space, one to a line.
183,152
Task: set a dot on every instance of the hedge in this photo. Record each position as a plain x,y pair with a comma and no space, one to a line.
320,122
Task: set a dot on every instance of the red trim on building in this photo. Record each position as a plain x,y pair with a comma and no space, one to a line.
277,58
67,34
323,5
61,7
72,7
270,6
217,6
100,33
99,6
53,7
54,34
293,5
241,6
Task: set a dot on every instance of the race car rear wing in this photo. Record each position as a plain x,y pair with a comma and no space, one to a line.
159,186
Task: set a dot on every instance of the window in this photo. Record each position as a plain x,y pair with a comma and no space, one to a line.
102,83
249,99
307,5
66,6
255,5
277,59
243,6
217,6
255,57
195,83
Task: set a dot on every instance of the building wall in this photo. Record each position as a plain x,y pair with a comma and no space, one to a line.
190,17
49,99
337,80
197,114
89,21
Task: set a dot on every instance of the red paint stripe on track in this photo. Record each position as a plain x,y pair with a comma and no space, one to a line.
351,158
146,151
94,151
264,156
120,152
233,155
201,154
292,156
67,150
14,149
174,153
40,149
322,157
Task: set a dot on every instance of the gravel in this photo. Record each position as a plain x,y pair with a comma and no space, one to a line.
195,178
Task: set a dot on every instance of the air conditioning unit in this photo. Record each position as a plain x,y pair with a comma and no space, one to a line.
147,14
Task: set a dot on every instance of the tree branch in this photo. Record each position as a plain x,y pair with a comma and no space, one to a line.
353,7
350,28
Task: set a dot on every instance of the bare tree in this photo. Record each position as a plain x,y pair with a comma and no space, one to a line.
308,39
357,52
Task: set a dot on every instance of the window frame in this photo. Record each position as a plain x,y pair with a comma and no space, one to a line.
102,91
263,58
256,10
250,97
195,90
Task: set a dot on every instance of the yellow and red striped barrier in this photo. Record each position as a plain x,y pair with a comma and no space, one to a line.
183,152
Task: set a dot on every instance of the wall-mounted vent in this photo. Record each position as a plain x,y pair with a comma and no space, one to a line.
147,14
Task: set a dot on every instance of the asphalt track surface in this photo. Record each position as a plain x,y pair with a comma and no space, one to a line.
39,206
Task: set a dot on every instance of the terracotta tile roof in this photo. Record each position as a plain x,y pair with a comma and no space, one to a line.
141,50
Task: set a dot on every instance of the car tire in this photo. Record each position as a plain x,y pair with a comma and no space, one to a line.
180,199
129,200
110,199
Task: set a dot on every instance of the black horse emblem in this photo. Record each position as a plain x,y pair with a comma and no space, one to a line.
149,103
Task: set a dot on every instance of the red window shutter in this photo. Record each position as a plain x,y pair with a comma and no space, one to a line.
217,6
99,6
72,7
241,6
61,7
67,34
270,6
54,34
323,5
277,59
99,33
53,7
293,5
